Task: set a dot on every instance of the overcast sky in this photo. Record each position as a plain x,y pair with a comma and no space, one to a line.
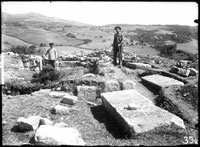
102,13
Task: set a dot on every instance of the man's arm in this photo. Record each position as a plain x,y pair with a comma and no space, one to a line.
56,54
46,52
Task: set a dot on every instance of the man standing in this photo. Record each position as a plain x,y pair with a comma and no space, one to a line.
52,55
117,46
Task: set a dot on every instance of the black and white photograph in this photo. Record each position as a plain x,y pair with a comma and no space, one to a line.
98,73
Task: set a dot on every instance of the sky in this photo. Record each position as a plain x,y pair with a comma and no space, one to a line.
102,13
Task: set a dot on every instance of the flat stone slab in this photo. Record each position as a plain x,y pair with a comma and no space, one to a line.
138,66
136,113
161,81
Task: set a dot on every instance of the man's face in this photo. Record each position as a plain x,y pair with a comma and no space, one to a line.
117,30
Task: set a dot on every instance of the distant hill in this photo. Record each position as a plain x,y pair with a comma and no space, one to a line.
37,17
37,29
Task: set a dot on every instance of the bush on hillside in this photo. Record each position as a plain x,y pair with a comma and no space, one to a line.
47,75
21,87
87,41
24,49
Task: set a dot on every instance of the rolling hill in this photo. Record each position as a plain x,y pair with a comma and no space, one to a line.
35,28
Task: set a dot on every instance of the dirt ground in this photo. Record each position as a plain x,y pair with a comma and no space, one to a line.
93,122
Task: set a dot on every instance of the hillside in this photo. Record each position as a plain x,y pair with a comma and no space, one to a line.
38,29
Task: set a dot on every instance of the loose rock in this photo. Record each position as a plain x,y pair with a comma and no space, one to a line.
59,109
69,99
28,124
52,135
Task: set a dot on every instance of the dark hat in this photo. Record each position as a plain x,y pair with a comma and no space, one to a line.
51,43
117,27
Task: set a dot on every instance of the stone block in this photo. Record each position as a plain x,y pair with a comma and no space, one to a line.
28,124
59,109
69,99
87,92
160,81
127,84
52,135
138,66
142,115
111,85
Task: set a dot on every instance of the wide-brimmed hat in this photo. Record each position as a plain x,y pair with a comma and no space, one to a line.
117,27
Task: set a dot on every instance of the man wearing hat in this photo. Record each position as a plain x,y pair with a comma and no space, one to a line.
52,55
117,46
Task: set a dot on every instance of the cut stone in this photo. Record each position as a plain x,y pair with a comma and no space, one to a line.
180,71
28,124
56,94
142,116
87,92
128,84
52,135
69,99
59,109
161,81
139,66
111,85
183,72
193,72
61,124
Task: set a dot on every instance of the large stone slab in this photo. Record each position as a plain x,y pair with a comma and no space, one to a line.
136,113
138,66
160,81
87,92
52,135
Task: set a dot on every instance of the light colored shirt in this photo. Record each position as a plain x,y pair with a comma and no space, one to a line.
52,54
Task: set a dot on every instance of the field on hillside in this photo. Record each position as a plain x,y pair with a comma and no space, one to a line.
191,47
37,36
8,41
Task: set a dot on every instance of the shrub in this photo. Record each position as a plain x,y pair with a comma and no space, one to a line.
21,87
47,75
24,49
87,41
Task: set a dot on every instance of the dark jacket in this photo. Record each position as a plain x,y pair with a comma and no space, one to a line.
118,38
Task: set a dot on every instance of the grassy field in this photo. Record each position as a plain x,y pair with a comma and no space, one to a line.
191,47
139,50
8,41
